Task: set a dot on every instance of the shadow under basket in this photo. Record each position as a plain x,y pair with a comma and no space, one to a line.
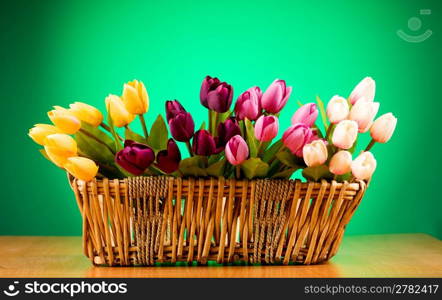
149,220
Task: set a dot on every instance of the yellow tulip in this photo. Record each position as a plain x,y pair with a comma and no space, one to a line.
81,167
40,131
64,120
135,97
59,147
118,112
86,113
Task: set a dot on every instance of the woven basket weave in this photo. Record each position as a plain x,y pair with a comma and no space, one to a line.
147,220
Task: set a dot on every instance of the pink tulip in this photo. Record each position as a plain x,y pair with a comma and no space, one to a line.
276,96
306,114
340,163
237,150
266,128
365,91
337,109
248,104
363,113
363,166
345,134
315,153
296,136
383,128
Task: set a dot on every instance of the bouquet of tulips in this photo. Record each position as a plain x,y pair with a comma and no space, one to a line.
234,143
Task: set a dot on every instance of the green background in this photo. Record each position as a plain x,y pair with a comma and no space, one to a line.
57,52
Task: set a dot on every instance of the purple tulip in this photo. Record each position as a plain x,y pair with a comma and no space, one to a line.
204,143
306,114
168,160
276,96
237,150
135,157
173,107
248,104
296,136
226,131
266,128
182,126
216,95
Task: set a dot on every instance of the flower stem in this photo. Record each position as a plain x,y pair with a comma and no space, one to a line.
238,171
370,145
87,133
210,121
215,126
143,124
108,129
274,157
329,130
189,148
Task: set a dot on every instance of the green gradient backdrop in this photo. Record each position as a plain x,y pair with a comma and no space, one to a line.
57,52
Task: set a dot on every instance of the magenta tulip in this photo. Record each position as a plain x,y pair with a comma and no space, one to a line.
266,128
216,95
204,143
306,114
248,104
296,136
276,96
173,107
135,157
226,131
182,126
237,150
168,160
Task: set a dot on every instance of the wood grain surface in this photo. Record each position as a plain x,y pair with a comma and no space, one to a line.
393,255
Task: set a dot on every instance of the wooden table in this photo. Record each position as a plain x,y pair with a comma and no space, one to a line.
398,255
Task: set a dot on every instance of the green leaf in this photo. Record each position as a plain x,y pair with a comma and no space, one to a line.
101,135
93,149
193,166
271,152
322,112
285,174
203,125
158,135
217,169
316,173
299,103
251,140
116,141
288,159
343,177
353,148
131,135
223,116
254,167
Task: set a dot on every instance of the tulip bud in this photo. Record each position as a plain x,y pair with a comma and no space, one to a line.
40,131
168,160
86,113
276,96
248,104
173,107
135,157
203,143
340,163
226,131
81,168
266,128
363,166
117,111
306,114
345,134
337,109
383,128
237,150
365,91
363,113
209,84
315,153
182,126
296,136
135,97
59,147
216,95
64,120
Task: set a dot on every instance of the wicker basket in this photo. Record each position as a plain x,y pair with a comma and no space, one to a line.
148,220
